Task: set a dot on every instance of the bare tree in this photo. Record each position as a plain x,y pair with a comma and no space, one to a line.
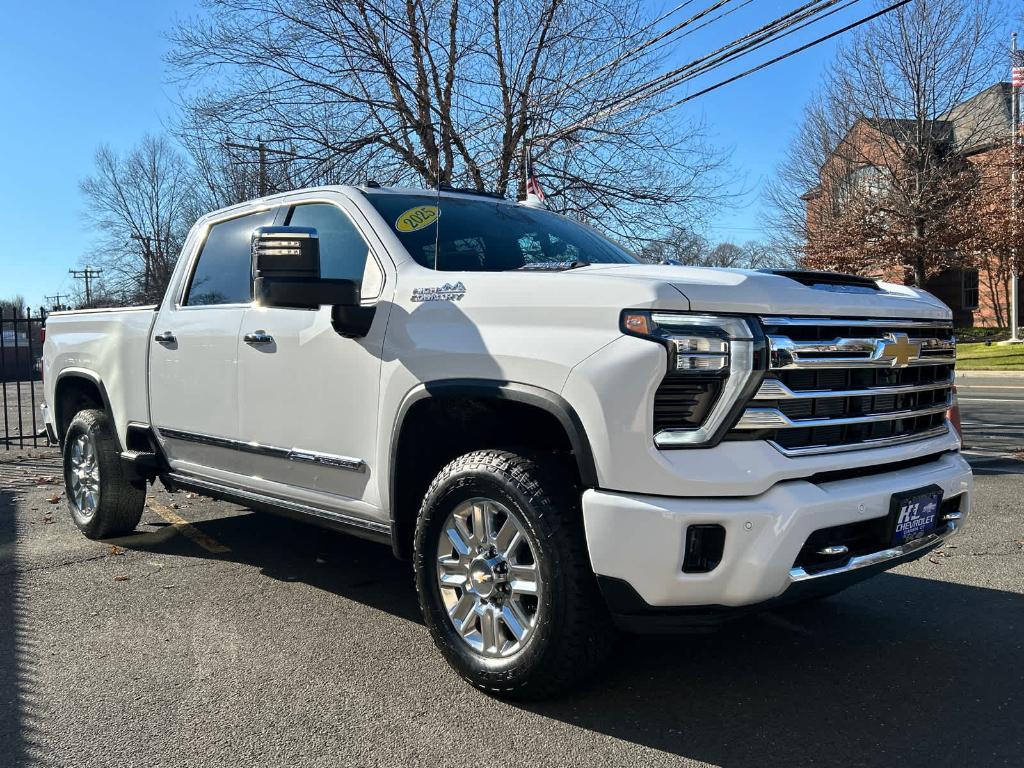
13,306
996,236
879,158
142,202
684,246
449,92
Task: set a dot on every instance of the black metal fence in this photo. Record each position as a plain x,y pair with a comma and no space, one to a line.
21,379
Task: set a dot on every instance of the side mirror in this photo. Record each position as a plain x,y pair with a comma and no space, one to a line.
286,268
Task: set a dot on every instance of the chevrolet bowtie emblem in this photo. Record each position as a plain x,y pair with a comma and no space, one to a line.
898,349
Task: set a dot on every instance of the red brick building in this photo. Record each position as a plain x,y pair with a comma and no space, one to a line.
860,166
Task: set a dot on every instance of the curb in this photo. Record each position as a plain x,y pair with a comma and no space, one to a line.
990,374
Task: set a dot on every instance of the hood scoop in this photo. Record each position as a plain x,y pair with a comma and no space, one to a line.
836,282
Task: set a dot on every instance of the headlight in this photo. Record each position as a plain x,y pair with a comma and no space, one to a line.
714,361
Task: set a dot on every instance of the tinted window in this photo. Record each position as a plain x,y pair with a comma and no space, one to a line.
224,272
342,249
490,235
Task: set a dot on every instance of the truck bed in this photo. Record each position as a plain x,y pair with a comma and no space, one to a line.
107,346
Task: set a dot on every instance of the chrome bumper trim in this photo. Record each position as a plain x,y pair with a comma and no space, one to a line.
881,442
919,546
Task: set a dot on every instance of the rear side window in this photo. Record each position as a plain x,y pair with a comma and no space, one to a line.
342,249
223,274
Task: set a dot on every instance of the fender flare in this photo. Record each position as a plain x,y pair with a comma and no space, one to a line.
544,399
90,376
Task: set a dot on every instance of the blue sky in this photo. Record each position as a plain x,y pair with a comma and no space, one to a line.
77,75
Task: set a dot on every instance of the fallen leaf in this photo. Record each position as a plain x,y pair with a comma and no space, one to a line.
46,480
115,550
191,495
120,578
47,521
54,499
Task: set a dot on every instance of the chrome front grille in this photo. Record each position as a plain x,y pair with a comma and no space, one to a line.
838,384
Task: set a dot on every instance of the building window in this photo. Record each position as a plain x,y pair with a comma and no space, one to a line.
866,183
970,288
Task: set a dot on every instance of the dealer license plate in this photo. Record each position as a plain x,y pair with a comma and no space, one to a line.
915,514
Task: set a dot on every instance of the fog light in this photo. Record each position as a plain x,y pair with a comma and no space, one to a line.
704,546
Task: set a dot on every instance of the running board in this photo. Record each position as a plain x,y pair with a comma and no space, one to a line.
328,518
145,465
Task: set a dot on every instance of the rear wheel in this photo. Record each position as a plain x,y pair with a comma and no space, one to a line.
504,579
103,501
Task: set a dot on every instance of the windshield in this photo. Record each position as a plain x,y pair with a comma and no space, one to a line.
491,236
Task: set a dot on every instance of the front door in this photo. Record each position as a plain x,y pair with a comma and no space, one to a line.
309,395
193,359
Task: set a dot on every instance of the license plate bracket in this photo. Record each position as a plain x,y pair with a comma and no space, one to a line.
914,514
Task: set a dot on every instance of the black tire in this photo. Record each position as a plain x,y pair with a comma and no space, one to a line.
117,508
576,633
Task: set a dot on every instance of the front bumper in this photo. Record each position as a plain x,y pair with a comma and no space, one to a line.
636,542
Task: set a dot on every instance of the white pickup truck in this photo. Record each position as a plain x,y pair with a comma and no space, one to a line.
560,438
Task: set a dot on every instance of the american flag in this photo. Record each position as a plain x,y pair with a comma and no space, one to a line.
533,185
1017,64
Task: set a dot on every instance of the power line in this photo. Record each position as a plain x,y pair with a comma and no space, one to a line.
784,56
656,86
87,274
773,30
55,300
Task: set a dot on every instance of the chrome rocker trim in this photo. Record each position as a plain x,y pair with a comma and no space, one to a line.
916,547
291,454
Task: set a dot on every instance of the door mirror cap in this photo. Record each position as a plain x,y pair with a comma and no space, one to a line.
286,268
305,292
286,252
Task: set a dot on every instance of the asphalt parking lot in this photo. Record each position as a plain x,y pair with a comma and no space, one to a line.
216,636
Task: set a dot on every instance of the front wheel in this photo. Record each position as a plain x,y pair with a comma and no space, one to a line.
503,576
103,501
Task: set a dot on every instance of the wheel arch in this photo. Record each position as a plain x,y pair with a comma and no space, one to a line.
73,389
543,408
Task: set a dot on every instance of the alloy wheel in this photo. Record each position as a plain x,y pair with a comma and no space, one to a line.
84,476
489,578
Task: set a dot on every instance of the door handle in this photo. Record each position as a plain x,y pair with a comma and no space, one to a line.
167,337
258,337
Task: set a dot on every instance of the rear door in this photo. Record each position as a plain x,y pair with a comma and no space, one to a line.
309,394
194,351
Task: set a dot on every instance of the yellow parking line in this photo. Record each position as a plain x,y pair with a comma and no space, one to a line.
182,525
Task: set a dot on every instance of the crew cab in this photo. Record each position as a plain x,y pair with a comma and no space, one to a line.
562,440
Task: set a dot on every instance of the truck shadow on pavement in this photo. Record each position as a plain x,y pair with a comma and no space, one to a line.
20,717
899,669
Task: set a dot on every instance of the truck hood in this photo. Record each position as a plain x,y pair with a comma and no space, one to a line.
749,291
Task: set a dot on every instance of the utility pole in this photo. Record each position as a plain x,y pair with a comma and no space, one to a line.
1014,227
88,275
262,151
55,301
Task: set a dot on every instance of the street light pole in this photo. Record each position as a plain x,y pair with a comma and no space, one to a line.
1014,229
